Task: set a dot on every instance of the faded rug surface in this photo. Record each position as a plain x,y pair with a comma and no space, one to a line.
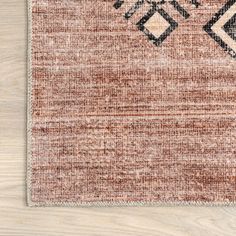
132,102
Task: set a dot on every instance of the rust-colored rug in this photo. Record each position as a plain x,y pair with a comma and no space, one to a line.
132,102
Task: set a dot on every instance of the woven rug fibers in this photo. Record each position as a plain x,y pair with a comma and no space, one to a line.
132,102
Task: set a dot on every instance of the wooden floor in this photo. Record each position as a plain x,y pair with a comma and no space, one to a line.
16,219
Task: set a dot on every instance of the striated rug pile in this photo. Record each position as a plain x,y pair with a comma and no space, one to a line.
132,102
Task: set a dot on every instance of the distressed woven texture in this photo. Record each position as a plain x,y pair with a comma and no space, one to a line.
119,117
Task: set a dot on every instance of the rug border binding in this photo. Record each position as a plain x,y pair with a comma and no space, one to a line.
30,203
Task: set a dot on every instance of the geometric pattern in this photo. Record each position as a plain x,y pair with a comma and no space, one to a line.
222,27
170,25
156,24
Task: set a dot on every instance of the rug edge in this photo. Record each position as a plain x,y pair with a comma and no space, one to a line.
28,115
132,204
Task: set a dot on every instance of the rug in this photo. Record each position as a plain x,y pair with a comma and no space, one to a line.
131,102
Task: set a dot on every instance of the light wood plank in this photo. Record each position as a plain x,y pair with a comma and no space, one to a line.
16,219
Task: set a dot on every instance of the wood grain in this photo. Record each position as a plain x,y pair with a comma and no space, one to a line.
16,219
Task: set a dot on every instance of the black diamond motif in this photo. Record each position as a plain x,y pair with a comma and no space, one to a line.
157,40
155,8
